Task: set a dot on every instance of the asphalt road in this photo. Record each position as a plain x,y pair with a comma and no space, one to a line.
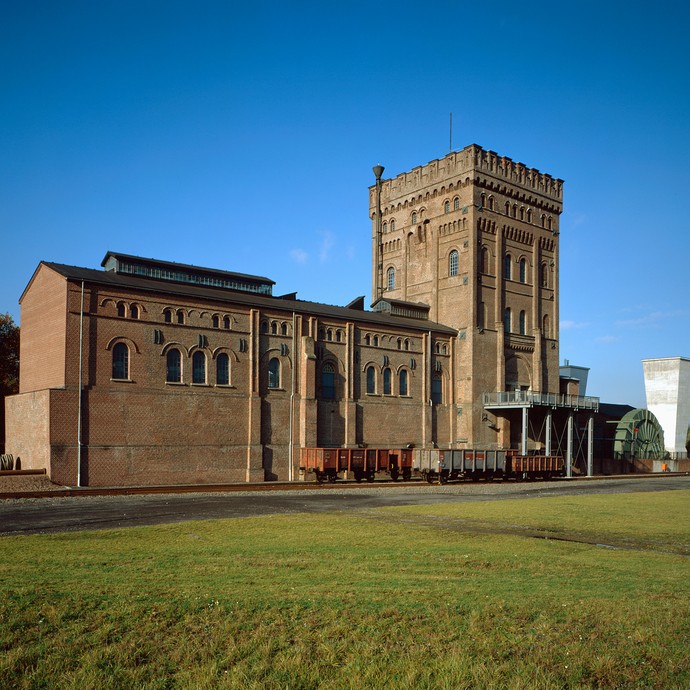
72,514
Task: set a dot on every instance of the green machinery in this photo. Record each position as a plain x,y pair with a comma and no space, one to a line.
639,436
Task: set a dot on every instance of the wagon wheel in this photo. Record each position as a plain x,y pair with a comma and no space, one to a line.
639,435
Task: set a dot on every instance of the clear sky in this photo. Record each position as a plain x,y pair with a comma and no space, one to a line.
242,135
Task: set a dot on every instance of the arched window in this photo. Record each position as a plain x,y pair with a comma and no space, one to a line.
446,207
523,270
529,215
485,260
507,208
167,316
367,339
456,204
134,311
491,203
173,364
522,323
514,210
274,328
543,220
402,382
507,266
274,373
120,361
376,341
222,370
121,309
391,278
407,344
453,263
283,329
386,381
507,320
543,275
399,343
180,316
198,367
385,228
328,381
550,223
482,200
522,213
437,390
226,323
371,380
215,321
392,226
414,217
338,336
264,326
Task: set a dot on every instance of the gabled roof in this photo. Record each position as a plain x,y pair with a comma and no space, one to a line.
163,287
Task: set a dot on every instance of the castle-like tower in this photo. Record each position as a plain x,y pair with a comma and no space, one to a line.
474,235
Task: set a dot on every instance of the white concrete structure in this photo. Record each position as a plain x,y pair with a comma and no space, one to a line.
667,387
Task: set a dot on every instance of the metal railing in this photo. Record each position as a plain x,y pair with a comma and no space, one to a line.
530,399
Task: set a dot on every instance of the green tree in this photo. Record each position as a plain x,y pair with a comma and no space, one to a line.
9,366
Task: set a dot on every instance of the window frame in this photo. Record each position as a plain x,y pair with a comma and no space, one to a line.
199,360
169,367
120,362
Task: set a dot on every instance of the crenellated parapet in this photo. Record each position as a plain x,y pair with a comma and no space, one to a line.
518,235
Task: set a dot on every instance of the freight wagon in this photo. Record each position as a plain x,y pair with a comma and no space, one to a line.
362,463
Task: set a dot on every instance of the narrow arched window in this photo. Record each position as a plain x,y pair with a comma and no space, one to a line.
328,381
283,329
507,208
329,334
391,278
543,275
407,344
507,319
522,323
121,309
523,270
482,201
543,220
120,361
226,323
367,339
180,316
485,260
338,336
264,327
446,207
453,263
386,381
507,266
514,210
399,343
173,363
222,369
456,204
167,316
437,390
274,328
134,311
392,226
491,203
385,228
198,367
414,217
215,321
550,223
274,373
371,380
376,341
402,382
529,215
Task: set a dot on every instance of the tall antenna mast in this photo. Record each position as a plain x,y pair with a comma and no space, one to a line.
451,133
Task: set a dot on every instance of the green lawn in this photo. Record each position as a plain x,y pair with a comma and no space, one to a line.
424,597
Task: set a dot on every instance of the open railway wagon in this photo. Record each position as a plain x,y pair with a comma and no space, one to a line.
361,463
444,465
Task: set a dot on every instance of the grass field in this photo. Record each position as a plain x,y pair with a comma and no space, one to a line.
445,596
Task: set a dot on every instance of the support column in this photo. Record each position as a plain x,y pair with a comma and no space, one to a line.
569,448
549,424
523,437
590,445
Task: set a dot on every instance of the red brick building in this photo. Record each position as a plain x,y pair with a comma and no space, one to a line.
152,372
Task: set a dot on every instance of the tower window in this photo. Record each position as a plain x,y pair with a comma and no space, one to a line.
392,225
134,311
215,321
507,320
180,316
402,383
386,381
167,316
226,323
121,309
436,390
391,278
446,207
414,217
456,204
507,266
522,323
523,270
453,263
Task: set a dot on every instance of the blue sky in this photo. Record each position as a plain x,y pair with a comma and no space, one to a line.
241,136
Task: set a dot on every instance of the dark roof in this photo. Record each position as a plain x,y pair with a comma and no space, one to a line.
126,280
184,267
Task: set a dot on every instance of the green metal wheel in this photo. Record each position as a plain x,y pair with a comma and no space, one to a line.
639,435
